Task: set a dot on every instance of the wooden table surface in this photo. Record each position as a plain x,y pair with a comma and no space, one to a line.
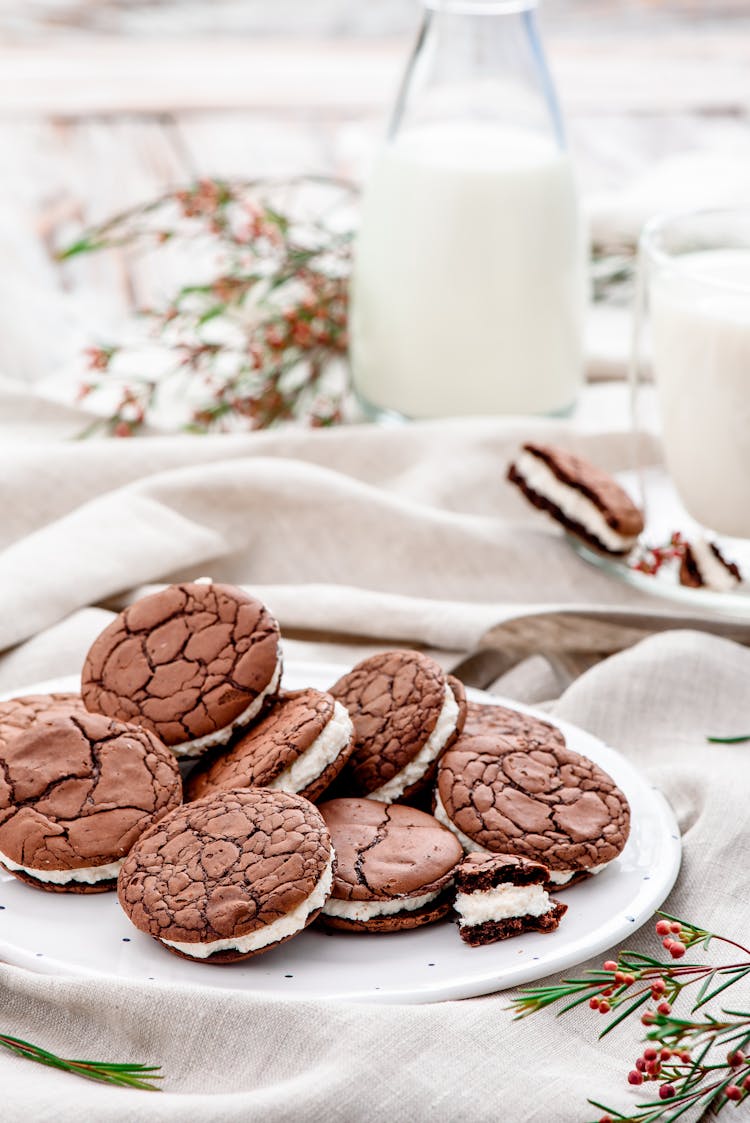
103,104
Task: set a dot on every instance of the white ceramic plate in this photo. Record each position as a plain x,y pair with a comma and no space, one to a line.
89,934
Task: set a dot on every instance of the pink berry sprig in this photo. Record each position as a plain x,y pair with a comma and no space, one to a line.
651,559
698,1061
259,338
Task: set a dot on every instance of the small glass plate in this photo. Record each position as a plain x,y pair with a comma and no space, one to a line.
664,515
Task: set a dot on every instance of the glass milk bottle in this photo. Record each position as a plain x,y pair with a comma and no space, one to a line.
469,282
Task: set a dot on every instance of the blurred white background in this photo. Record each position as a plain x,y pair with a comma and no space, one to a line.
104,103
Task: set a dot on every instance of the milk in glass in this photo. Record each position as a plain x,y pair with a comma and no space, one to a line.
700,323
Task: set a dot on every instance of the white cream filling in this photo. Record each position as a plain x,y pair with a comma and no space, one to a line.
366,910
556,877
573,504
288,925
221,736
416,768
469,845
713,574
501,903
323,751
562,877
86,875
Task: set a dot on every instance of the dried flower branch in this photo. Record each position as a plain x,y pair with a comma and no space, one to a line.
694,1062
120,1075
651,559
259,335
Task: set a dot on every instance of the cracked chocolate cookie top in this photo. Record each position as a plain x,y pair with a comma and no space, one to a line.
79,790
551,805
479,872
532,732
186,662
225,866
21,713
395,701
260,755
387,850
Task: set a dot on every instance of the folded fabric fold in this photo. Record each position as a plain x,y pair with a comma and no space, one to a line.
419,512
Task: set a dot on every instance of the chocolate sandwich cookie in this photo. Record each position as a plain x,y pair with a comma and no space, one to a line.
229,876
587,501
301,745
549,804
502,895
75,794
703,566
488,720
17,714
406,712
394,866
192,663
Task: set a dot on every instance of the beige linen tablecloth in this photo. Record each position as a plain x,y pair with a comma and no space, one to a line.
357,538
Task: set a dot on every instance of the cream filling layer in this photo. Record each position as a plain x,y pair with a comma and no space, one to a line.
556,877
714,575
366,910
435,743
85,875
322,752
562,877
573,504
221,736
501,903
288,925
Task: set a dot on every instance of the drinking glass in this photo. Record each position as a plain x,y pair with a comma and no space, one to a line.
694,298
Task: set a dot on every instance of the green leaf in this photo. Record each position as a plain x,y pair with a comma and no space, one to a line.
211,314
121,1075
733,978
625,1013
610,1110
635,957
83,245
576,1002
276,218
704,987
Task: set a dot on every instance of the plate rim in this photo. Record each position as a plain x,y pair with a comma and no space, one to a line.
610,932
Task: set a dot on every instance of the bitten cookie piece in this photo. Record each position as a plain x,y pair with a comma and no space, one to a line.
587,501
703,566
406,712
501,896
301,745
75,794
192,663
487,720
229,876
394,866
549,805
17,714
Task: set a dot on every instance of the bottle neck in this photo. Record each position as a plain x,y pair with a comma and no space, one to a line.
481,7
479,60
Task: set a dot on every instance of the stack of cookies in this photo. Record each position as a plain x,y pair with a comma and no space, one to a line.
231,814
